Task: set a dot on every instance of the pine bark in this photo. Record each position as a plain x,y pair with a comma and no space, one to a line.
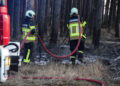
55,21
117,24
112,15
41,24
107,11
16,19
98,4
10,4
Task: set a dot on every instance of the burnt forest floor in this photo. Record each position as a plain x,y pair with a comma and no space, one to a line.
102,64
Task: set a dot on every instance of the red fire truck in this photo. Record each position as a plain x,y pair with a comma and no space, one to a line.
9,51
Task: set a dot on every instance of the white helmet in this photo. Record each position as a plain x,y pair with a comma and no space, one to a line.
74,10
30,13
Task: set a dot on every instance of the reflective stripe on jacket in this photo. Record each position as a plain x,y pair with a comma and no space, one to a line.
25,30
74,29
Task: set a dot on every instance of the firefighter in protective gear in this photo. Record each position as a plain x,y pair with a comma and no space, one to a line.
74,35
27,26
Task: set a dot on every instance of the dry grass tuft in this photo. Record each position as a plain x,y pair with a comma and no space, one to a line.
93,71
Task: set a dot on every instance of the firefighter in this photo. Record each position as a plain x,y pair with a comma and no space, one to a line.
27,26
74,35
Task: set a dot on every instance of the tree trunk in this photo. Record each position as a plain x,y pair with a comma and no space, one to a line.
74,3
107,11
112,15
41,24
47,16
16,19
62,17
29,4
98,4
56,22
11,13
22,11
117,21
90,18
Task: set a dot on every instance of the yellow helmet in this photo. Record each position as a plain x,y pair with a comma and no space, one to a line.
74,11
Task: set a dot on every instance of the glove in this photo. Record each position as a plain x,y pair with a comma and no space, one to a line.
33,32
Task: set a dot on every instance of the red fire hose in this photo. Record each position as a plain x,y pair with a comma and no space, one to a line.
90,80
22,44
51,52
68,54
60,78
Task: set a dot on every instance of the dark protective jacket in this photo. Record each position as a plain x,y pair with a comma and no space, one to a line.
74,28
28,26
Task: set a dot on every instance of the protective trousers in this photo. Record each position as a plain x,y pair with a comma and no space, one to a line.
28,52
80,52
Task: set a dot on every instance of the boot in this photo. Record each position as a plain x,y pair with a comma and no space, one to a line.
80,57
73,61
